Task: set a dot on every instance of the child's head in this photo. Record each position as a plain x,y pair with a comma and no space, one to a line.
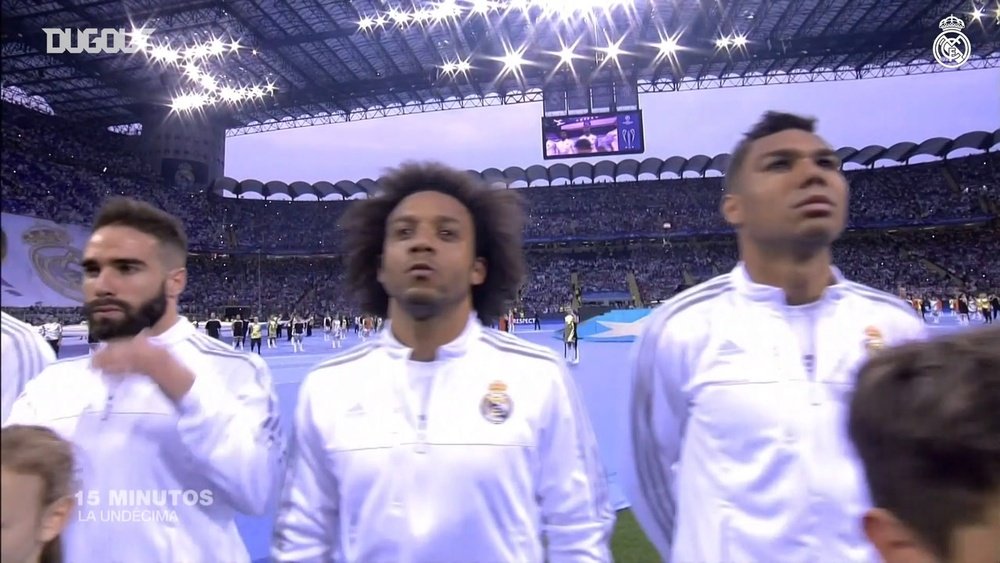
925,419
37,493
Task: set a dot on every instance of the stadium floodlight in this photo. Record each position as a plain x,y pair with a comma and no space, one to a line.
570,7
216,47
446,9
722,43
196,52
164,54
522,5
208,88
566,56
366,23
513,60
188,102
421,16
740,41
140,37
208,82
229,94
462,66
484,7
179,103
667,46
400,17
613,50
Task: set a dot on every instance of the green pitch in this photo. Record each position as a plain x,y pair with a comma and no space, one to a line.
629,544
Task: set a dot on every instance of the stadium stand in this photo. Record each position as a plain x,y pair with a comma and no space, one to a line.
924,229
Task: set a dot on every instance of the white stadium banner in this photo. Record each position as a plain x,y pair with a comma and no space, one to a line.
42,267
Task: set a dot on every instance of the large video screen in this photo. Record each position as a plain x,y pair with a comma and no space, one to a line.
594,134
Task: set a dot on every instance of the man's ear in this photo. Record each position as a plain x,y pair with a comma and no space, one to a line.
176,282
732,209
55,518
478,271
894,540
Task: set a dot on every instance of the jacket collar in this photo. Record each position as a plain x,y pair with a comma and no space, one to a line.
775,295
454,349
181,330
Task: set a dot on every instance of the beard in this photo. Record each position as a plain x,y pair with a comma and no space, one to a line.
134,321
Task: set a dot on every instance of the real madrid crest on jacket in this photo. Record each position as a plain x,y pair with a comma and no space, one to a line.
873,340
496,405
475,456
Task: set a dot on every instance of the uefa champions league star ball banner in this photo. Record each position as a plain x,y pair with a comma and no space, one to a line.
623,325
42,267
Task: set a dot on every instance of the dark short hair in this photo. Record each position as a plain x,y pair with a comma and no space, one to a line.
925,419
771,123
145,218
498,218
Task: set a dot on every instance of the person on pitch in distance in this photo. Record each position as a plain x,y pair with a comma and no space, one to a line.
160,408
23,352
737,449
925,419
440,439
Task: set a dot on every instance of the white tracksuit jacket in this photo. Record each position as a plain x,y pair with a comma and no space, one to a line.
23,355
735,453
474,457
159,482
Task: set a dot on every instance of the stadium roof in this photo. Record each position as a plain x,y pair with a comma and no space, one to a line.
606,170
339,60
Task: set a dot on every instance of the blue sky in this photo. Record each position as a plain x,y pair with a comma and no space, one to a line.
851,113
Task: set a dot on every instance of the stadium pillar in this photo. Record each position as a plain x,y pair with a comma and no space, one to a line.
188,149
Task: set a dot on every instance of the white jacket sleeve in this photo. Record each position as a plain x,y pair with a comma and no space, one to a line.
307,527
25,355
234,434
572,490
655,427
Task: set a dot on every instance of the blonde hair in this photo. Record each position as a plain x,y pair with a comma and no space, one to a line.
40,452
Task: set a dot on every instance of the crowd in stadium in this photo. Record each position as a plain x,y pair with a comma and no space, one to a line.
267,254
